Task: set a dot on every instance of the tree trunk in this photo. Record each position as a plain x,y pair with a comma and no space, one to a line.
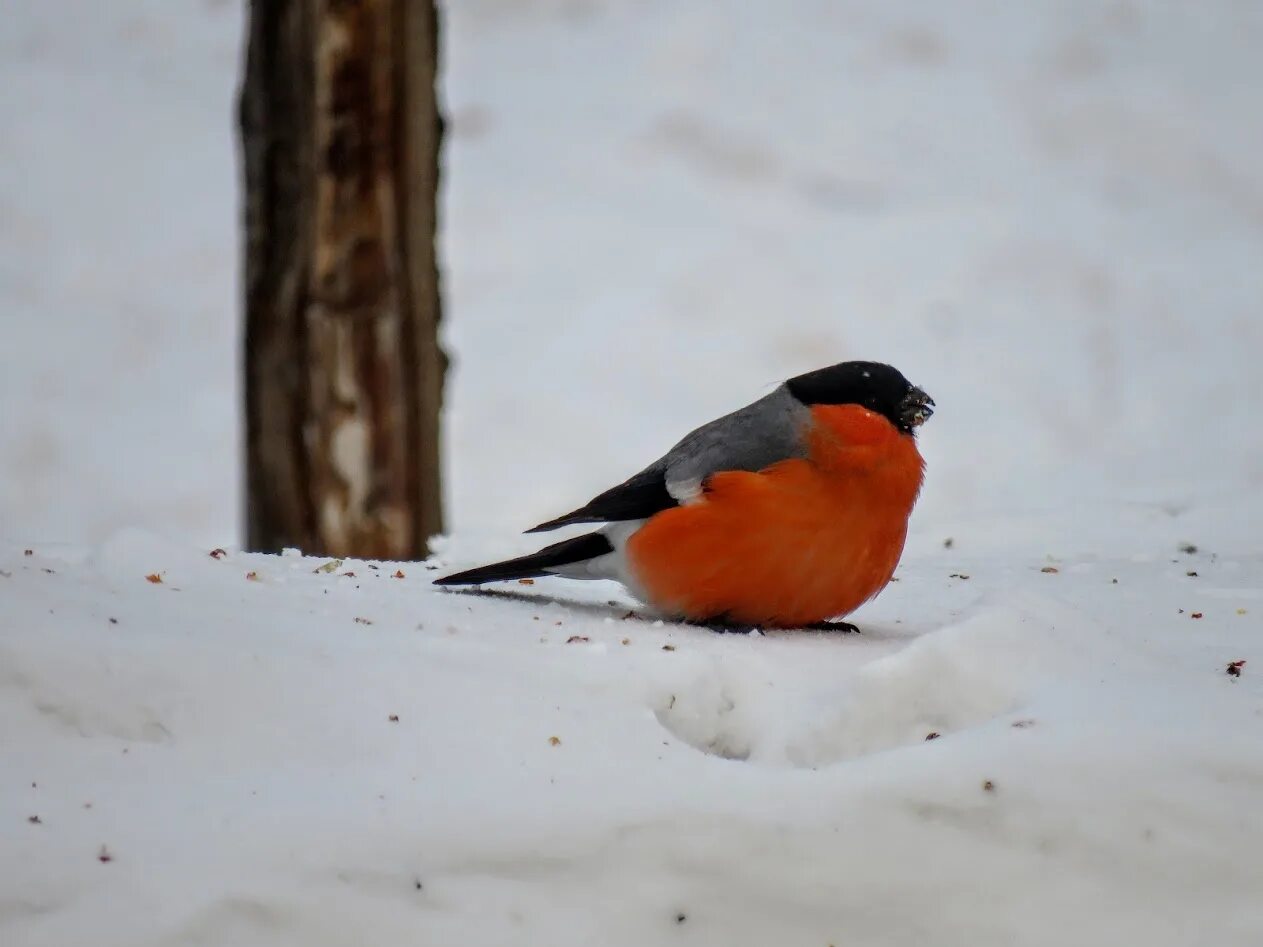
344,374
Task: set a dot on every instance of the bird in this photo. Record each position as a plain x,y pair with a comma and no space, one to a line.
788,513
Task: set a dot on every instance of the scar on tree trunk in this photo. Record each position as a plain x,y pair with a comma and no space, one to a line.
341,133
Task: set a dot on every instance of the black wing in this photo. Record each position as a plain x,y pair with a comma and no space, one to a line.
636,498
753,438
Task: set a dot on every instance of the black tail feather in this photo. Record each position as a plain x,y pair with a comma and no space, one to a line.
536,564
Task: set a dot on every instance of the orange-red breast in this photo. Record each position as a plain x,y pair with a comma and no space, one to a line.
788,512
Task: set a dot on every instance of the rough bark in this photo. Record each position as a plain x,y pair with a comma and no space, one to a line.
344,374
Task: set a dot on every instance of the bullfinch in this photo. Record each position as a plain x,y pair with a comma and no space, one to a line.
784,514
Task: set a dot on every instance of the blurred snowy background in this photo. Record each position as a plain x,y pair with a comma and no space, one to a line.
1050,215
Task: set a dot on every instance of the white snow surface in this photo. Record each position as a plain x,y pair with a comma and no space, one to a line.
311,757
1048,214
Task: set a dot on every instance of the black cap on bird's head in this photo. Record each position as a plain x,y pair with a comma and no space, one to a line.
871,385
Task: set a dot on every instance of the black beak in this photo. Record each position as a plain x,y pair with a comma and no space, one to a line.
916,408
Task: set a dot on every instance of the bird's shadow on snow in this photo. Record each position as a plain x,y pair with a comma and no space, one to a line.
594,609
627,612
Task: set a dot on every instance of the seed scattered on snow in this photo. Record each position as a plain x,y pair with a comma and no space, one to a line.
576,639
1023,724
554,741
252,576
1191,574
932,735
525,581
1240,611
988,786
948,542
1188,548
958,575
363,621
152,577
34,820
626,641
393,718
1051,570
668,647
399,574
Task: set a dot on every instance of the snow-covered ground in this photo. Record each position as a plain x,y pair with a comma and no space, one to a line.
1048,214
351,757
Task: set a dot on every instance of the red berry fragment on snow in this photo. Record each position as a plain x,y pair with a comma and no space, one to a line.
154,578
252,576
525,581
217,553
932,735
104,855
399,574
1234,668
1195,615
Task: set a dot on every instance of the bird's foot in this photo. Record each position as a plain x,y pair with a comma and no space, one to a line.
841,627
